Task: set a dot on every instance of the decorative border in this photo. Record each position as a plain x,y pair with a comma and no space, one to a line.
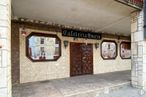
116,50
45,35
29,23
33,21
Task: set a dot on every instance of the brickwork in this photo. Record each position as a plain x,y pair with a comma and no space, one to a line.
138,49
5,63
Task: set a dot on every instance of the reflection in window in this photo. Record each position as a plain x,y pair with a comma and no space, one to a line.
43,47
108,50
125,51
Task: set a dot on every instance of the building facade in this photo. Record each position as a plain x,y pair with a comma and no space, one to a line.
38,69
33,51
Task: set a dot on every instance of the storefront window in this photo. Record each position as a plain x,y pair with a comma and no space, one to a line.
43,47
108,49
125,50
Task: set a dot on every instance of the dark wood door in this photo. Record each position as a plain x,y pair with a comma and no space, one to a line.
81,59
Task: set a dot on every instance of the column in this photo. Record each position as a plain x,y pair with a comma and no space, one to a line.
138,48
5,48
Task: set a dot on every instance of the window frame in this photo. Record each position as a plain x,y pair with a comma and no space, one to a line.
42,35
116,49
120,49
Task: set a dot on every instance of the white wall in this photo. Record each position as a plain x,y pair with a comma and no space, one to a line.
38,71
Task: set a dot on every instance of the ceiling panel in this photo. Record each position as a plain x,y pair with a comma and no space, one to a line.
100,15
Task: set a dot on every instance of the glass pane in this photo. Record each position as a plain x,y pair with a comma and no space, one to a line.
125,50
43,48
109,50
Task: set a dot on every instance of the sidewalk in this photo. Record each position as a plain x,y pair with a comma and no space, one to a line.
80,86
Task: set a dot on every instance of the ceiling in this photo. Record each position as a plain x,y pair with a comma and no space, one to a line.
106,16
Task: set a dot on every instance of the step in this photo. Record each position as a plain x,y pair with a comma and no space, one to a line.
97,92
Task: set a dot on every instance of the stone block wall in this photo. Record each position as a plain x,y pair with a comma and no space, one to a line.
23,70
5,51
138,50
40,71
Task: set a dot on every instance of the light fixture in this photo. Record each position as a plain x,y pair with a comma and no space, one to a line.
65,43
23,31
96,45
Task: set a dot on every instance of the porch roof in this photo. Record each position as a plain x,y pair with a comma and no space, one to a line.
107,16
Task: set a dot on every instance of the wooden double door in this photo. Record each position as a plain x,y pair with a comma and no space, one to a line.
81,59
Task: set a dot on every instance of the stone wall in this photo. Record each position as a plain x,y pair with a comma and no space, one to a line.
138,50
15,43
5,51
38,71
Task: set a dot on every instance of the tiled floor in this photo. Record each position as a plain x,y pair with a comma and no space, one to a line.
80,86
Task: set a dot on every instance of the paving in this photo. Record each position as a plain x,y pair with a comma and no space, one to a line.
104,85
126,91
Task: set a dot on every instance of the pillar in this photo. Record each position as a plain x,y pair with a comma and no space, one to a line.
5,51
138,50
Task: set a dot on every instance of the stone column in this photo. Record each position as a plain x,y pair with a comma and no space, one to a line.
5,48
138,48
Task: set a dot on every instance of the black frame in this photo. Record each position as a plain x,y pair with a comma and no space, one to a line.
116,49
44,35
120,48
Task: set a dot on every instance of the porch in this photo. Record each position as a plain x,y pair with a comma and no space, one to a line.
80,86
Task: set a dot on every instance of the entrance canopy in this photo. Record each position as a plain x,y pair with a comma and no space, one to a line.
107,16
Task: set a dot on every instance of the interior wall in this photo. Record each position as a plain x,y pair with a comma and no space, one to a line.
39,71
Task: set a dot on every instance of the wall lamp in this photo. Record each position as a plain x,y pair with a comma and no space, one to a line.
96,45
65,43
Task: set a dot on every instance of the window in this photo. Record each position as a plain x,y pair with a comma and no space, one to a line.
43,47
108,49
125,50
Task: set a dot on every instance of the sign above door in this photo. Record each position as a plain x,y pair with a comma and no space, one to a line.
81,34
